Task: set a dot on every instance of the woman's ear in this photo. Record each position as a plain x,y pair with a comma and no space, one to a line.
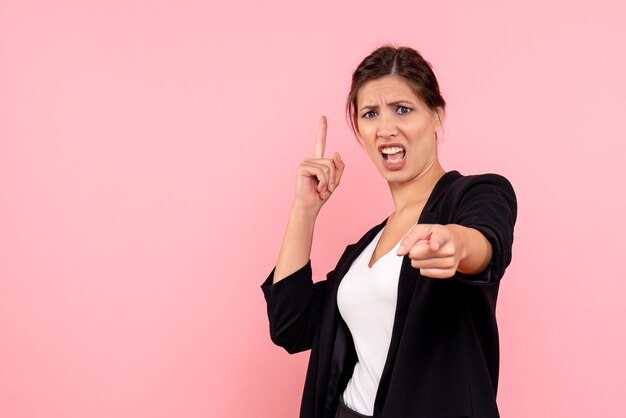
440,114
354,123
356,128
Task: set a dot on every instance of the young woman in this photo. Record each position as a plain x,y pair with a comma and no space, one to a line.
405,325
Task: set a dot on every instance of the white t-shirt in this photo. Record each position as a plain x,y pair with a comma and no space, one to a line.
367,302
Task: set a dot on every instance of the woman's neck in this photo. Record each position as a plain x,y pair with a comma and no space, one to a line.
415,192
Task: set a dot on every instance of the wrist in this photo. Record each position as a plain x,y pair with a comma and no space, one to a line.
304,213
474,250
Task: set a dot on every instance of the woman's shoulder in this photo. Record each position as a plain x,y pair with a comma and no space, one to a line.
476,190
487,181
485,178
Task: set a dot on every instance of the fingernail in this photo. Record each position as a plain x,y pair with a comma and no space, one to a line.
332,186
400,250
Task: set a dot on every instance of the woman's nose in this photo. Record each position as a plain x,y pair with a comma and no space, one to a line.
387,127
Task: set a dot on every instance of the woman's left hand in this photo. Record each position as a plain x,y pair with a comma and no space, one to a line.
434,249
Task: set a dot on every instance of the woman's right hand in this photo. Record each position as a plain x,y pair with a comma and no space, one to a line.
318,177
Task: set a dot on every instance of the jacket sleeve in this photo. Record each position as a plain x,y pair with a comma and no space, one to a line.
489,205
293,308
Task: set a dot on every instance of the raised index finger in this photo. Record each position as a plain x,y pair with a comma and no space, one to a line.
320,142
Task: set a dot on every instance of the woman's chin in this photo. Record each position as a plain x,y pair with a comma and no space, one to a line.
394,176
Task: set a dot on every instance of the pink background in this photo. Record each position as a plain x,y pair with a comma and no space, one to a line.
147,160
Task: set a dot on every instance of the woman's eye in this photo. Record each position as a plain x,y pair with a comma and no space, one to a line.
369,114
403,110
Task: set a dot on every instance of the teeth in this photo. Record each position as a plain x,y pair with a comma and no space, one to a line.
391,150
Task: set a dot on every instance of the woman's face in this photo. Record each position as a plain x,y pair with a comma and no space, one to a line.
397,129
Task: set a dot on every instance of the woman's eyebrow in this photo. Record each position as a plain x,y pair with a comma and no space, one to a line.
368,107
400,102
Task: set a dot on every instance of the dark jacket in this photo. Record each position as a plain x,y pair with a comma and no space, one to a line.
443,357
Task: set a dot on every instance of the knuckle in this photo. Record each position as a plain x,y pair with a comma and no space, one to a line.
447,251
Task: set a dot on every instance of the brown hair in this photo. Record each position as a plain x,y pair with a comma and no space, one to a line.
403,62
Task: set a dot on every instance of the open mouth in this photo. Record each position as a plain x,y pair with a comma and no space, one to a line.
393,154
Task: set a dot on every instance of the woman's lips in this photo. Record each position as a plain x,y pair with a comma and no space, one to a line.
393,156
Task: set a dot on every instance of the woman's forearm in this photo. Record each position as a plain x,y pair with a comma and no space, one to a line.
295,250
476,249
